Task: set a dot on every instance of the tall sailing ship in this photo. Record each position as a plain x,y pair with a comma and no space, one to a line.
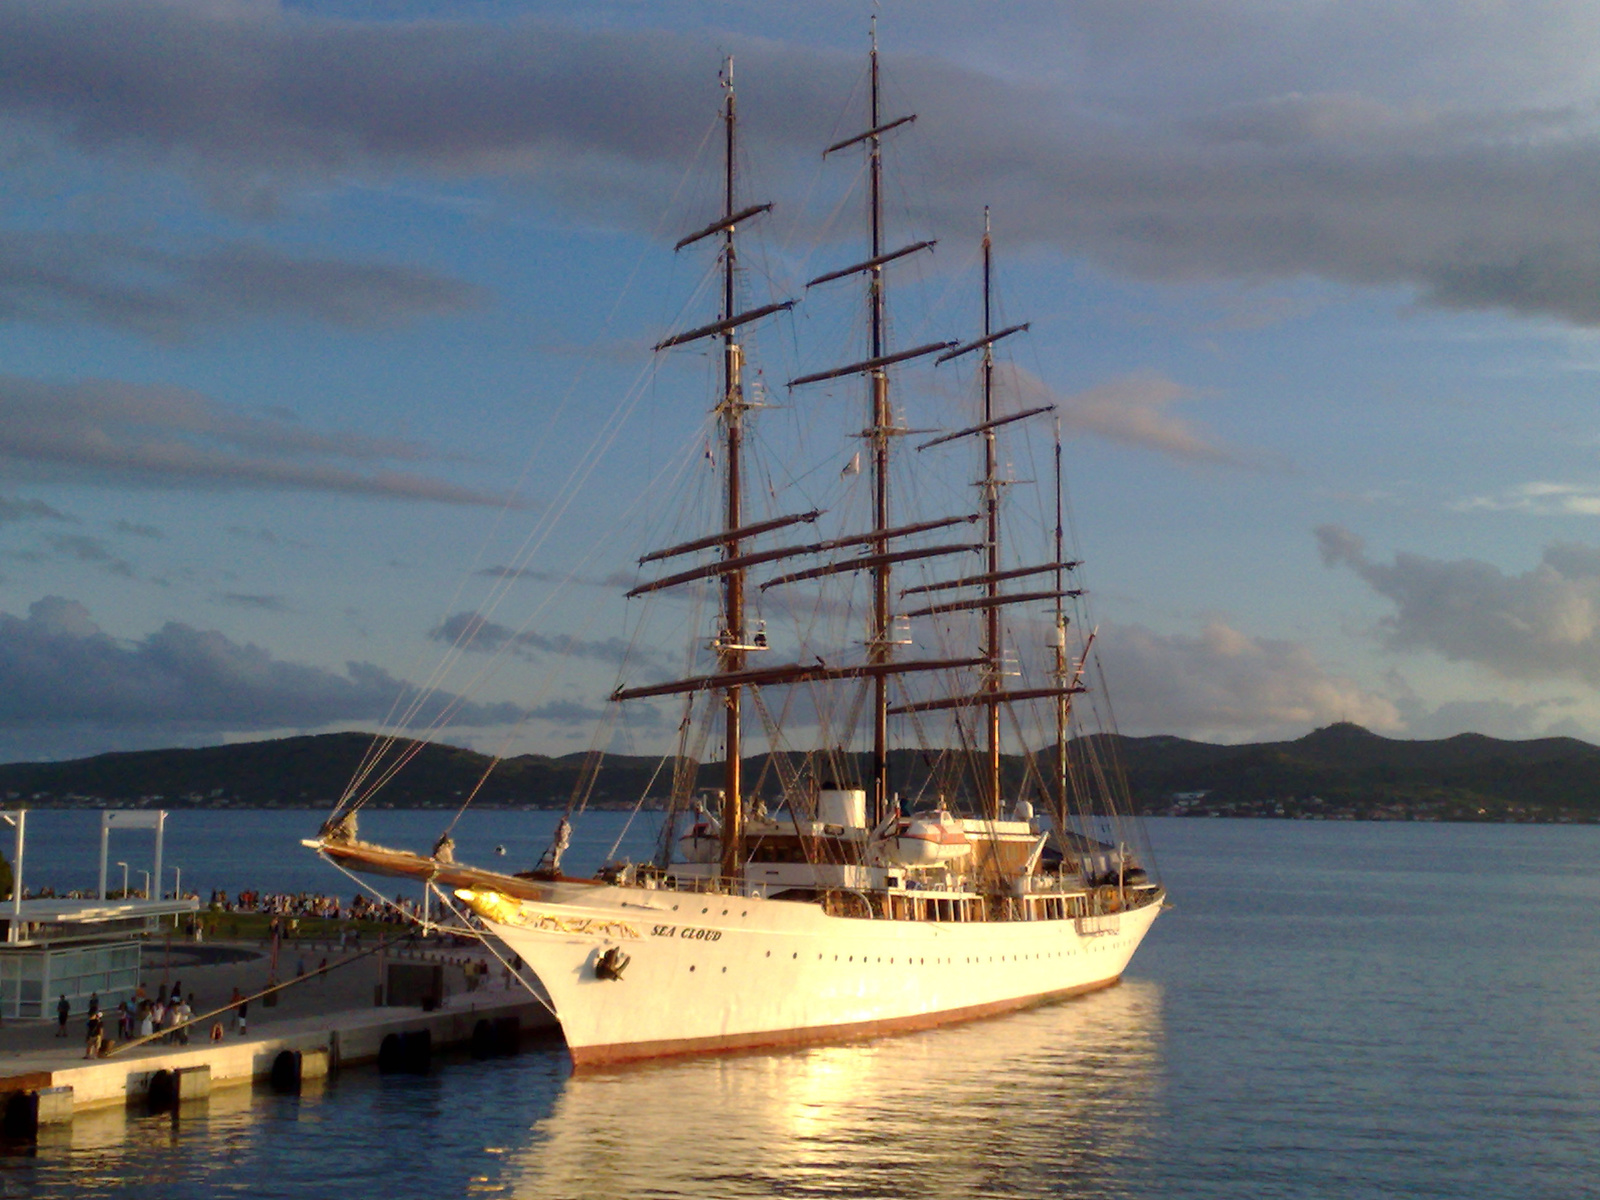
845,909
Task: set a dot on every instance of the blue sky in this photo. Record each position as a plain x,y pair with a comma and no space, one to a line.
311,316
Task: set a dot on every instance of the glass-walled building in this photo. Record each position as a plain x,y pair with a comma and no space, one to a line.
76,949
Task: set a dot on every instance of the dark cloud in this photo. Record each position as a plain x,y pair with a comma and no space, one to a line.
84,549
262,603
68,682
617,579
472,632
264,536
106,432
1542,624
30,510
134,529
167,295
566,712
1429,147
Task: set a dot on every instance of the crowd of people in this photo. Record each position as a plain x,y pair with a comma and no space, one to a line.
280,904
167,1016
298,905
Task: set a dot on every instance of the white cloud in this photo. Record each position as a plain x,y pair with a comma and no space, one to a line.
1540,499
1541,624
1225,685
1135,410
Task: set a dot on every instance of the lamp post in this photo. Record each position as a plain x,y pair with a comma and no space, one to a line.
124,867
146,875
177,883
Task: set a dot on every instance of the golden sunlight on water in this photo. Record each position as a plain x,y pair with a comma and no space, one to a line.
1062,1093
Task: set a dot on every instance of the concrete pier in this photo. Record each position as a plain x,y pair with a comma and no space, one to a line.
323,1025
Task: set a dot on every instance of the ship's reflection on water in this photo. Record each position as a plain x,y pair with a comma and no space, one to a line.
1055,1101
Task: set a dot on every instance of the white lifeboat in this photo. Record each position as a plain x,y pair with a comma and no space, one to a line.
702,844
928,839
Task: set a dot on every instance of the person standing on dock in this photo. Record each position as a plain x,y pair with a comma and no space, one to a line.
63,1011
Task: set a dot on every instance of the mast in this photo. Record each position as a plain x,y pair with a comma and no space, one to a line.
991,695
880,426
879,649
1059,637
730,648
991,512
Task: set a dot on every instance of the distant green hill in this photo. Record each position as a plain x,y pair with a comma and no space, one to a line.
1339,771
1345,770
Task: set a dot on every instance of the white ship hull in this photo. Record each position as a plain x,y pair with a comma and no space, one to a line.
715,972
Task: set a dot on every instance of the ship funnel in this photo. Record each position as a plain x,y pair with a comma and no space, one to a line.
842,806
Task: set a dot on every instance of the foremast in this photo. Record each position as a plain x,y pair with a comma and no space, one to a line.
732,643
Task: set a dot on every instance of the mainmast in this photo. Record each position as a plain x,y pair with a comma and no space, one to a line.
731,653
880,420
1058,640
879,649
992,651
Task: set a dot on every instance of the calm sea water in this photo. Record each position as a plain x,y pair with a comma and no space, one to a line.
1330,1010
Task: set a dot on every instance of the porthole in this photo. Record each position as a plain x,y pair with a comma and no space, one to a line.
724,970
691,968
769,953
